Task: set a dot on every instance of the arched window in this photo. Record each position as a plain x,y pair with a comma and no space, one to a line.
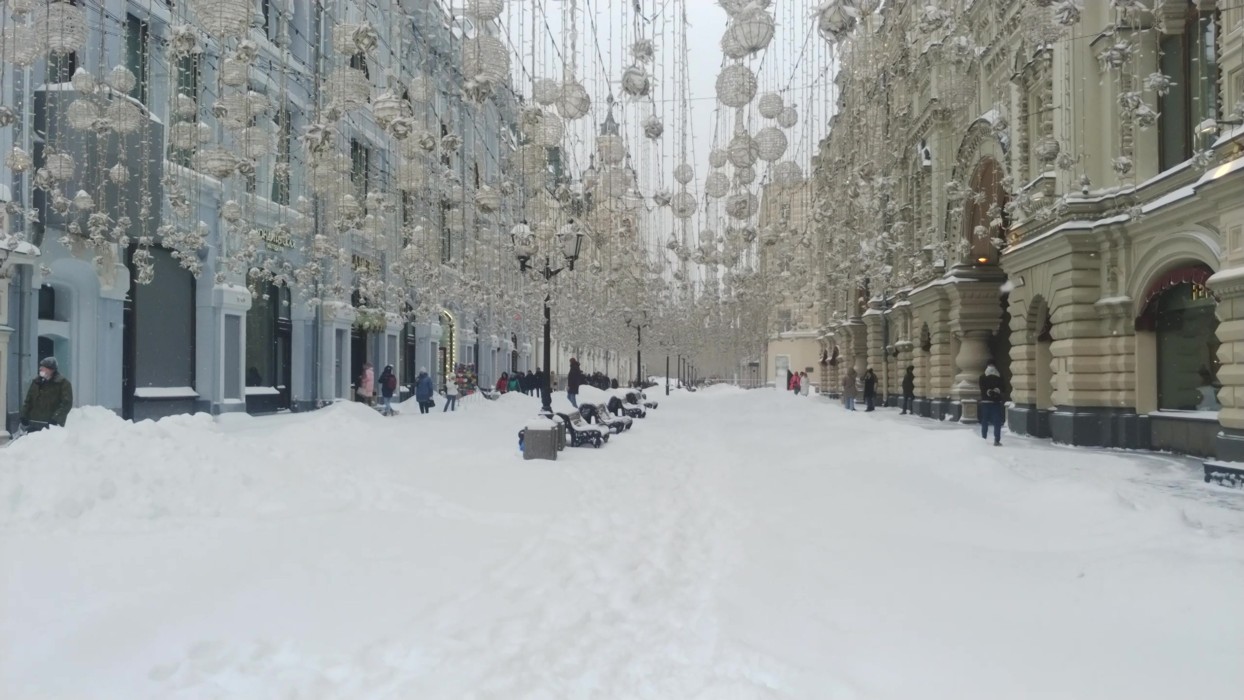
985,204
1179,310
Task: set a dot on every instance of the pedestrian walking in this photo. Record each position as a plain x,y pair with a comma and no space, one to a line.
388,385
805,383
424,390
574,380
503,383
790,380
516,383
49,398
909,390
990,410
451,395
870,390
366,386
849,389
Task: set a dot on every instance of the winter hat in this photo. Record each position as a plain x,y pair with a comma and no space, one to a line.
423,370
49,362
991,370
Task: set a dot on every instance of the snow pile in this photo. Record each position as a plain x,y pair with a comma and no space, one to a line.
741,544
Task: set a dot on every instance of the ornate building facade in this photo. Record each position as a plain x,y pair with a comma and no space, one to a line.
1058,188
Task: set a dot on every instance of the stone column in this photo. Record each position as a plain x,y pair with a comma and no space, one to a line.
1228,286
874,321
969,364
976,311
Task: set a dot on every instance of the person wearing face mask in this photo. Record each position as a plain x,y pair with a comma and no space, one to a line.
49,399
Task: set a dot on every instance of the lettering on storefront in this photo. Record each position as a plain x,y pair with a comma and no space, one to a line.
363,264
277,238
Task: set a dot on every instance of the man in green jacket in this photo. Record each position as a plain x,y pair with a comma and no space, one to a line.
49,399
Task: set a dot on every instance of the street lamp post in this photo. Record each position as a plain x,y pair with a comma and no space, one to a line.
638,322
570,240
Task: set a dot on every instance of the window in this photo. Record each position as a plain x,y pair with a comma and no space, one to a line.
61,66
360,165
265,12
359,62
1190,60
137,48
1180,311
188,85
284,149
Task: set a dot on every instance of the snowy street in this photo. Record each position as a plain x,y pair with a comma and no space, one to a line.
734,544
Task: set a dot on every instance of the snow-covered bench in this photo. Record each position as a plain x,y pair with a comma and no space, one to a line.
597,413
581,433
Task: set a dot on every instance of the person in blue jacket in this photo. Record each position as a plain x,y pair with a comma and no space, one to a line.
424,390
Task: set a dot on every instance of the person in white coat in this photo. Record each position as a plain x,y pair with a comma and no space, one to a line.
805,383
451,394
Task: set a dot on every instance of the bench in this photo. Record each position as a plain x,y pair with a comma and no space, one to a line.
597,413
618,408
1224,474
581,433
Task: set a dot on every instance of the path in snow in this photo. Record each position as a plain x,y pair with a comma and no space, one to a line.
732,545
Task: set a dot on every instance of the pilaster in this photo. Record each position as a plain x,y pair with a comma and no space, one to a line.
1228,286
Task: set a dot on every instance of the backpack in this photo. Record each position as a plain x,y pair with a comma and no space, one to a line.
390,382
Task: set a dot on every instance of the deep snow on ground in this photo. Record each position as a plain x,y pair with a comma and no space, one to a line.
734,544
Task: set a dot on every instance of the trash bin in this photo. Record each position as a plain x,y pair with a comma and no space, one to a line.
540,439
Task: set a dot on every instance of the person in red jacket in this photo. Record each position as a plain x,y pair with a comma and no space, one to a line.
503,384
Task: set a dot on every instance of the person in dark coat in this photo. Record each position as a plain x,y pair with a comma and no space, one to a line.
909,390
990,410
424,390
388,385
574,380
49,399
870,389
529,383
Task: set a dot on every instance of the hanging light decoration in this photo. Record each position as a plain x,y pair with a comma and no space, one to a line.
716,184
18,46
121,79
744,176
484,10
770,144
545,91
788,117
61,28
635,81
683,205
485,63
769,105
124,116
347,88
82,114
684,173
653,128
736,85
718,158
835,19
223,18
741,206
749,32
573,101
742,150
788,174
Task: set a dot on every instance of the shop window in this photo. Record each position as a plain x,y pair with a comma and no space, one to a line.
261,369
1180,311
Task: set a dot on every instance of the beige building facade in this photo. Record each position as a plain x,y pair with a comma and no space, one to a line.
1059,193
